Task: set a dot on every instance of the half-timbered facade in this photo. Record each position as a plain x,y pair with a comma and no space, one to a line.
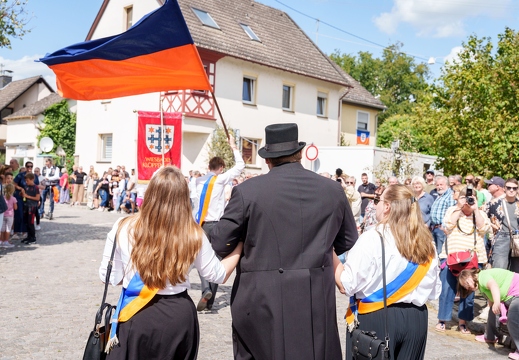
263,69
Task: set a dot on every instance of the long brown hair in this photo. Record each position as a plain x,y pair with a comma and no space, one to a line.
412,237
165,237
465,274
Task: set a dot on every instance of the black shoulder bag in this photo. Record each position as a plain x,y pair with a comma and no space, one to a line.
96,343
365,344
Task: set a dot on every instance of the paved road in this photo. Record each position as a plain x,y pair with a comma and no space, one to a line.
51,291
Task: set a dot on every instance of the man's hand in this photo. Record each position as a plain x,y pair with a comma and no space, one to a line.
232,142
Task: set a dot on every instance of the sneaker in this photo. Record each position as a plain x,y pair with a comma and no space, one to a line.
29,241
483,339
101,209
514,355
16,236
37,227
6,244
51,216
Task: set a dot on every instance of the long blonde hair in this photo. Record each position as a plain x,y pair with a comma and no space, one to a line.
165,237
412,237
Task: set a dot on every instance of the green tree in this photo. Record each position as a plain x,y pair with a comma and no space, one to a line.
59,124
403,128
219,146
13,19
395,77
471,112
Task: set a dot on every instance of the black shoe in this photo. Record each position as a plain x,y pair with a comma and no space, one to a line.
202,304
209,306
29,241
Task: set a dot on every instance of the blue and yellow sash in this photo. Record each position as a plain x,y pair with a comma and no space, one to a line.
403,285
205,198
133,298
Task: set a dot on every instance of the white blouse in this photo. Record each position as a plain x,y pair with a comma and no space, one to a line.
206,263
362,273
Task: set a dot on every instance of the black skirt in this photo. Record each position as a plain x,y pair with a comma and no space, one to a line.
166,328
407,326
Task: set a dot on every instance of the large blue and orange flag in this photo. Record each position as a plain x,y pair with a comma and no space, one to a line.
156,54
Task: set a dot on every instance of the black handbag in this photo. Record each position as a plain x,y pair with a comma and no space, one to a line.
365,344
96,343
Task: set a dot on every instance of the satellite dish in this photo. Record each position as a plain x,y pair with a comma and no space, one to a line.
46,144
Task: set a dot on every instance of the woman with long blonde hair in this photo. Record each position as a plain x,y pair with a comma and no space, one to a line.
412,275
156,249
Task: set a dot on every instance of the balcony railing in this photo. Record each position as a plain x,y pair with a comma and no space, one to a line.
192,103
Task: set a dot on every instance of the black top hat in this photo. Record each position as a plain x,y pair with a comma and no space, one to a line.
280,140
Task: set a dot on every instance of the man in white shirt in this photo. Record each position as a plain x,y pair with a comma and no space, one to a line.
210,190
50,174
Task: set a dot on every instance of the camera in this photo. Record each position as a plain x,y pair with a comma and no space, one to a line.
470,193
338,173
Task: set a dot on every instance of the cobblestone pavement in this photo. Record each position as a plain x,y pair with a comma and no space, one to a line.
51,291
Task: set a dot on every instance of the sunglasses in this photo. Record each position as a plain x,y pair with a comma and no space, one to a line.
349,182
511,188
29,166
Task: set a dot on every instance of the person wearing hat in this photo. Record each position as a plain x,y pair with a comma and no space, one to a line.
429,181
291,221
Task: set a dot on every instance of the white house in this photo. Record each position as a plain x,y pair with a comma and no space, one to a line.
264,70
22,103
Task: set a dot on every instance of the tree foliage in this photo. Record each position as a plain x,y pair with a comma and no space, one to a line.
396,77
13,20
471,113
219,146
404,129
59,123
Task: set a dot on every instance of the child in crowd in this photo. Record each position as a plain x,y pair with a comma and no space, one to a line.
7,223
499,286
31,195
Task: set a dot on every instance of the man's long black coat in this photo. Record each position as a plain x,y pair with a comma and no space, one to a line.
283,301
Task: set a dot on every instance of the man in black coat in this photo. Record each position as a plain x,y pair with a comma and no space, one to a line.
290,220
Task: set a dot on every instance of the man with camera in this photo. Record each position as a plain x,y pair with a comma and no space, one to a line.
503,212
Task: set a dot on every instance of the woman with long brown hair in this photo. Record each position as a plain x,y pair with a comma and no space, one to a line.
412,275
156,249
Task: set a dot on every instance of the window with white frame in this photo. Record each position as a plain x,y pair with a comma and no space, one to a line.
249,32
321,103
288,94
129,16
105,147
205,18
248,92
362,120
249,150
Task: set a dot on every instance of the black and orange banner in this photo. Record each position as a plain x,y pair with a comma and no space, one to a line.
153,140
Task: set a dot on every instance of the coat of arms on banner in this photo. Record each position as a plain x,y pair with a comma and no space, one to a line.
154,138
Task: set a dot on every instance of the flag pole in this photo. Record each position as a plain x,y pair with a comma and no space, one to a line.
161,103
220,113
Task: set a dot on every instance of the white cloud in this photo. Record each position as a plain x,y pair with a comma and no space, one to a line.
27,67
453,55
439,18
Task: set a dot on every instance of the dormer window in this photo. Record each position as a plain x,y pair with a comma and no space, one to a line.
205,18
249,32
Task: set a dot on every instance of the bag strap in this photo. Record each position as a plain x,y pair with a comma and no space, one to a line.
507,218
384,289
99,314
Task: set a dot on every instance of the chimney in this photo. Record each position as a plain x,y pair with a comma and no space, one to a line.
5,78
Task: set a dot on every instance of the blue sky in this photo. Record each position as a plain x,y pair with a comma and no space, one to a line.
427,28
